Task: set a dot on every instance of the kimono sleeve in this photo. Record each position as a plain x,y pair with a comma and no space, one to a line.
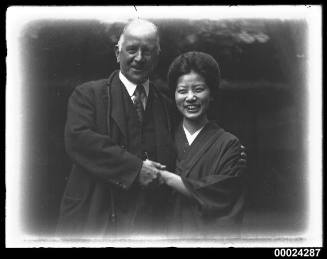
219,192
96,153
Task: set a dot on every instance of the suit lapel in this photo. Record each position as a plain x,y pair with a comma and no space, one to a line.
115,100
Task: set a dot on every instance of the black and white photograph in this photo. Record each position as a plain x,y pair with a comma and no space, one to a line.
164,126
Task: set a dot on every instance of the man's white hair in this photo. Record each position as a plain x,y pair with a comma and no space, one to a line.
143,23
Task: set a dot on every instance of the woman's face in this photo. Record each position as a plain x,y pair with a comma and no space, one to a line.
192,96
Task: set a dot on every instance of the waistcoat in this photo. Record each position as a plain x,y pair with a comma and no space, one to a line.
140,136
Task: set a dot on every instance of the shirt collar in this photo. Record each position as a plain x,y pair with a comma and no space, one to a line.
130,87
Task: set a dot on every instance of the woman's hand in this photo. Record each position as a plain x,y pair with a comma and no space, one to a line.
174,181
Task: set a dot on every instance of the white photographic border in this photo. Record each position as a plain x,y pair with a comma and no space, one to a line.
16,20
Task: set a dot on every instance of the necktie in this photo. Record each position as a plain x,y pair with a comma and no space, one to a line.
139,97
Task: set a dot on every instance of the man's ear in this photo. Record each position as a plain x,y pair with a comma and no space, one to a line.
117,53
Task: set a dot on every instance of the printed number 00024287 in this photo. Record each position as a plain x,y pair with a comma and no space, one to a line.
296,252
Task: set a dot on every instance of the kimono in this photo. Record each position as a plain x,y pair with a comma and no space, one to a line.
212,170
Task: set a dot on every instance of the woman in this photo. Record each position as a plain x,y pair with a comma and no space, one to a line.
210,165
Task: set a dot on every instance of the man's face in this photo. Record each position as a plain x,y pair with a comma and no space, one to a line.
138,55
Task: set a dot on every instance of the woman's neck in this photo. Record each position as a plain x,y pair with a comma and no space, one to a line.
194,125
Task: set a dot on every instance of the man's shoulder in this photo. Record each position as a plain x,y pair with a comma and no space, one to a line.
162,93
94,85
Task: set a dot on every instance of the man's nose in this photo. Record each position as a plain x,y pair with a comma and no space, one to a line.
139,55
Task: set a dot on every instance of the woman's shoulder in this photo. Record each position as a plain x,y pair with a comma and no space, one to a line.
223,136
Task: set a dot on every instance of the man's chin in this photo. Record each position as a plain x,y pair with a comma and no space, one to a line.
139,79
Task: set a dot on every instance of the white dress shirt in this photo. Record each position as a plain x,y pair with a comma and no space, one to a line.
130,87
191,137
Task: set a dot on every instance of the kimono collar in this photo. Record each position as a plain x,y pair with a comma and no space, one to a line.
190,137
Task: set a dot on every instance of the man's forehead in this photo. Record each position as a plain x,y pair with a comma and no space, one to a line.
134,37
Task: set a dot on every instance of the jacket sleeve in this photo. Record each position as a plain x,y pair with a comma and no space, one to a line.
96,153
221,191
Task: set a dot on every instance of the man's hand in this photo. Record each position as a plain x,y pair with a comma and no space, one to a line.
150,173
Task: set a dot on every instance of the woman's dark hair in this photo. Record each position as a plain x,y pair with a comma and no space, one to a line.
199,62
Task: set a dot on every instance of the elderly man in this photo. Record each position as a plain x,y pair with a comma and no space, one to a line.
115,129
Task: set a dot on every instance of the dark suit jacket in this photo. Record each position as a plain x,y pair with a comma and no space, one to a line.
102,193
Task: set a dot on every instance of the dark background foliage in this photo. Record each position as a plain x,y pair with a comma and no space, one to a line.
262,101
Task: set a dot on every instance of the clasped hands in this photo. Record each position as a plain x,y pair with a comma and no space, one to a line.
150,173
153,173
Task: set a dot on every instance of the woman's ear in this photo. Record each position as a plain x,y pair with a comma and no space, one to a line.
117,53
214,96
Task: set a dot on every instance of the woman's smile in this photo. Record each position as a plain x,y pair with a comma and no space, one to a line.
192,108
